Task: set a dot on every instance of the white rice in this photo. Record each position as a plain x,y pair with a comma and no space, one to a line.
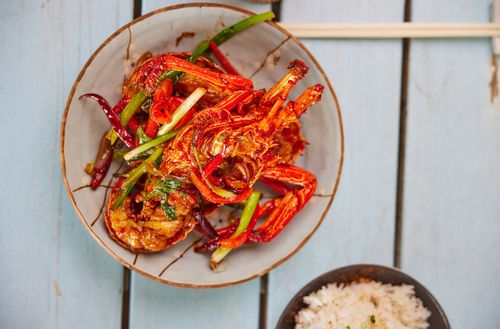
367,305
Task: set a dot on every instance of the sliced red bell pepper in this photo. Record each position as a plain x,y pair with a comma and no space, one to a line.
186,118
162,109
151,128
213,164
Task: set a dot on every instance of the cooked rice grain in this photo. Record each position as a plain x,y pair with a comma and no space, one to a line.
365,305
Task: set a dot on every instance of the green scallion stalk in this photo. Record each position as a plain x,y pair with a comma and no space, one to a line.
133,177
246,215
129,111
250,206
181,110
229,32
152,143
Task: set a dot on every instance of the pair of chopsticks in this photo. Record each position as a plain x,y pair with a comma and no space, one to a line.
394,30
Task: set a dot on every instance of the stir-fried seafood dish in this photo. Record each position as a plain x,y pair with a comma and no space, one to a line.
197,136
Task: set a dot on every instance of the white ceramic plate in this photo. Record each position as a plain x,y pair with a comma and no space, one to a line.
266,43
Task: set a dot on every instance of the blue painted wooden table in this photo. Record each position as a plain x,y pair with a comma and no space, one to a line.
420,186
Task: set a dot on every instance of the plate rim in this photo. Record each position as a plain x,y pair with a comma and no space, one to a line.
70,192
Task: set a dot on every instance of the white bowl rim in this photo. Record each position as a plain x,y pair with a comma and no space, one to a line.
70,192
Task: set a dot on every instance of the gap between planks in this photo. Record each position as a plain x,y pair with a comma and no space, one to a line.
126,299
403,116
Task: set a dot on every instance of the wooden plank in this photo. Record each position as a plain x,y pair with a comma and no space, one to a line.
232,307
54,275
451,208
366,76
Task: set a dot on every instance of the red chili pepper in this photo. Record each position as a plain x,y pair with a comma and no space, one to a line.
114,120
204,226
213,164
212,245
228,67
102,162
121,105
225,232
222,233
208,246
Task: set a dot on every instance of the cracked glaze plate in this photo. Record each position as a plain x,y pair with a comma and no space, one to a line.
261,52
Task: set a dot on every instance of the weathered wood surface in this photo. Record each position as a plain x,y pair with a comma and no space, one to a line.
53,273
451,220
366,77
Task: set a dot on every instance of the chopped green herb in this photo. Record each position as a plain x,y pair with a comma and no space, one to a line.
169,210
170,184
162,188
372,318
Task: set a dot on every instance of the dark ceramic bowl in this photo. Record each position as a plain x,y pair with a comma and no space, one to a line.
351,273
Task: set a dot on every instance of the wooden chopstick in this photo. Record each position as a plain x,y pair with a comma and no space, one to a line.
393,30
